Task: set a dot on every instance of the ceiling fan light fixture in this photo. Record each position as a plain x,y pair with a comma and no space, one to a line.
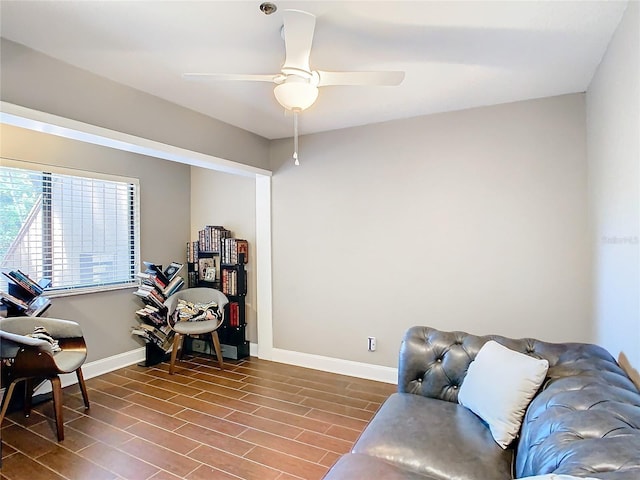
296,95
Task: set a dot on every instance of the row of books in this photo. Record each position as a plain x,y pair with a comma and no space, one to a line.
193,248
234,251
25,295
164,277
160,336
153,315
151,282
231,283
234,314
210,238
33,308
22,279
156,285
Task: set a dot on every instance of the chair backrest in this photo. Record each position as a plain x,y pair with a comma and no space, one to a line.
197,295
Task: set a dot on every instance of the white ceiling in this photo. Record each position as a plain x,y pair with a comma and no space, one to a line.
455,54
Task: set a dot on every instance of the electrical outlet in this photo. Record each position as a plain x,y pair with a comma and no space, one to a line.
371,344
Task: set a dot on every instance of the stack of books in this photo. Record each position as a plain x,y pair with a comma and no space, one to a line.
156,285
25,296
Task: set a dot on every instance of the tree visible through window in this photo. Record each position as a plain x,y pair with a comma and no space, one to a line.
78,231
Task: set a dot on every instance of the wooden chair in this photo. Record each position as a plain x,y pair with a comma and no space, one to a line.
196,295
30,359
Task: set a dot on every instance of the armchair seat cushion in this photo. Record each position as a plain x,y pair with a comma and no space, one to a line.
69,360
435,439
196,328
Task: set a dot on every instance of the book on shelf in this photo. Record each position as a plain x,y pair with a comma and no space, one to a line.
37,306
210,238
162,337
32,308
150,296
230,283
172,270
161,284
234,314
156,270
13,301
152,315
25,295
174,285
235,251
19,278
192,251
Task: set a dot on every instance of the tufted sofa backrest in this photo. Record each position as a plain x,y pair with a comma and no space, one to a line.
434,363
585,420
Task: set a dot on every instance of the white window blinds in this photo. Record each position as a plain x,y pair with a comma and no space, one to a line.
78,229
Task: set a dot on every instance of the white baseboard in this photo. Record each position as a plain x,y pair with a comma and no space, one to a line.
337,365
308,360
97,367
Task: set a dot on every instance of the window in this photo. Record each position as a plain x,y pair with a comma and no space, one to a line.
78,229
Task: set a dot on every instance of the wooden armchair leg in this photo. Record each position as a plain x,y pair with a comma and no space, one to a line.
28,396
216,345
56,387
83,388
174,352
6,400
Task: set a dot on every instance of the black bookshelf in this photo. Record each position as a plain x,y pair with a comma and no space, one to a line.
226,257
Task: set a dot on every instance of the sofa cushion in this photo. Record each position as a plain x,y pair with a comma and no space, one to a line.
499,386
434,438
362,467
586,420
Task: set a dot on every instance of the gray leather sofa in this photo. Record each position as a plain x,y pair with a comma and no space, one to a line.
584,421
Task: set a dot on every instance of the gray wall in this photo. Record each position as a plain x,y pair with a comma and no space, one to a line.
473,220
36,81
613,120
165,190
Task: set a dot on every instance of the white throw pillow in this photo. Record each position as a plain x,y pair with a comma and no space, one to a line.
553,476
498,387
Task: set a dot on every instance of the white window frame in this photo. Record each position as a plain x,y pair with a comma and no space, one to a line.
54,169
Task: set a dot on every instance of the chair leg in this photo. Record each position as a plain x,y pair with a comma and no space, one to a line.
174,352
83,388
57,406
216,345
28,396
7,399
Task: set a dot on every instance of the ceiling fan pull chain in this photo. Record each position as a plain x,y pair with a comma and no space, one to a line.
295,137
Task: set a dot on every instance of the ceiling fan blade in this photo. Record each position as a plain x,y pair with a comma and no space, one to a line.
298,37
232,77
360,78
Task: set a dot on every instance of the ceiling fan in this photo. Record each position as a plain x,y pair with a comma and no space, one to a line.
296,84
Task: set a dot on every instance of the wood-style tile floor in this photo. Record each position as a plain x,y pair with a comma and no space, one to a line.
254,420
